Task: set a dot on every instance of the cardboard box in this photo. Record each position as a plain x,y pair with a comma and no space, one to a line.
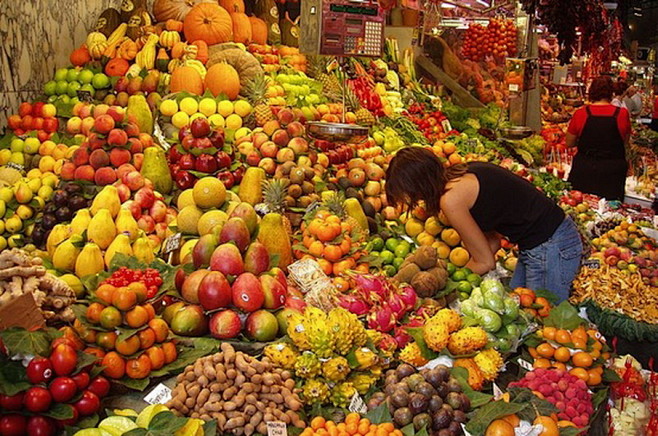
21,312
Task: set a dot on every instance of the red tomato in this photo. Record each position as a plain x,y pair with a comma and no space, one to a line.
39,370
64,359
63,389
13,425
88,404
14,402
37,399
100,386
41,426
81,379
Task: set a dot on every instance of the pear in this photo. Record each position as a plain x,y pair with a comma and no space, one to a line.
121,244
108,199
126,224
80,221
102,229
90,261
65,255
23,193
156,169
139,108
142,250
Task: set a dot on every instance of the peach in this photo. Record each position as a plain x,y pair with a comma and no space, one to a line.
68,171
269,149
259,138
96,142
104,123
100,110
85,172
119,156
147,140
146,223
280,137
285,116
117,137
132,129
298,145
246,147
295,129
76,108
117,113
268,165
80,156
145,197
86,125
161,230
74,125
158,211
138,158
285,155
122,190
134,208
135,145
105,176
86,110
99,158
124,169
134,180
270,127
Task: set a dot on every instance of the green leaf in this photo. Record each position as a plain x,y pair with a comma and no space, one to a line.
379,415
610,376
417,334
422,432
13,378
572,431
17,340
210,428
536,406
84,360
137,432
134,384
60,411
166,423
408,430
600,397
551,297
490,412
564,316
477,398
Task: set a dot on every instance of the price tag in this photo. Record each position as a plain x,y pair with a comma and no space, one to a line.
513,87
497,392
357,405
172,243
277,428
14,165
85,96
161,394
525,364
408,239
466,433
445,124
592,263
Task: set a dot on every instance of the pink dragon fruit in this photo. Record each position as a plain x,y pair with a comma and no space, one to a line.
397,305
409,296
401,336
387,343
371,284
381,319
354,304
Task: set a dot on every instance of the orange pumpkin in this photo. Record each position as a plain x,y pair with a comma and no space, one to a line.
174,9
258,30
80,56
232,6
223,79
117,67
202,51
186,79
127,49
174,25
208,22
241,28
178,50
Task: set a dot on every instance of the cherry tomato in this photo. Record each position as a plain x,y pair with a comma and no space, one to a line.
81,379
39,370
37,399
62,389
41,426
14,402
88,404
13,425
100,386
64,359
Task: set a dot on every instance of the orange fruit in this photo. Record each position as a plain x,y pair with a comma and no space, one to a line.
146,338
110,317
526,300
150,310
160,328
541,363
104,293
579,333
455,159
139,289
579,343
559,365
499,427
127,346
316,249
352,418
581,373
550,426
318,422
124,299
307,240
327,267
549,333
582,359
332,253
343,266
533,352
170,352
388,426
115,366
93,313
546,306
326,232
346,245
563,336
565,423
157,357
139,367
562,354
545,350
512,419
597,345
106,340
136,317
352,429
94,351
345,227
594,378
341,284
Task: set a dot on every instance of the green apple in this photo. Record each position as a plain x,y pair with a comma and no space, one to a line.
17,145
50,88
88,87
100,81
64,98
32,145
62,87
72,89
85,76
61,74
72,75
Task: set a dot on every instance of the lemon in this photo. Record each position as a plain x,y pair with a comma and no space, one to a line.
74,283
145,416
47,148
5,155
189,105
216,120
225,108
47,163
188,220
207,106
24,212
13,224
241,133
49,180
3,243
413,227
117,425
209,192
242,108
210,219
186,198
2,227
32,145
34,184
180,119
233,122
433,226
18,158
17,145
3,209
6,194
168,107
196,115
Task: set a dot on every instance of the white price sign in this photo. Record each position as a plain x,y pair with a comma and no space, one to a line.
497,392
357,405
277,428
161,394
525,364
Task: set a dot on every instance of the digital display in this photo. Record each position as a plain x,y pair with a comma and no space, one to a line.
347,9
353,21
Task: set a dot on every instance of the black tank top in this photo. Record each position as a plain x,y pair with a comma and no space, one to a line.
513,207
600,138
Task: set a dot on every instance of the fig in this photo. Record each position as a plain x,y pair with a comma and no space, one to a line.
48,221
414,380
405,370
72,188
459,416
466,402
399,399
63,214
77,202
423,420
441,419
455,400
402,417
60,198
435,403
418,403
391,379
442,390
426,389
50,208
455,428
453,385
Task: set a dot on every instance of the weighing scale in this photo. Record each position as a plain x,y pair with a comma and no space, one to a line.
341,28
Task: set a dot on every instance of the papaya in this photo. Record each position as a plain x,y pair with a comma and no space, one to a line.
273,235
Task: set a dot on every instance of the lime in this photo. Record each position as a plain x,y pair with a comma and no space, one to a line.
377,244
85,76
100,81
374,253
387,257
72,89
458,276
50,88
392,243
390,270
61,87
467,271
72,75
402,250
450,268
474,279
397,262
465,287
61,74
464,296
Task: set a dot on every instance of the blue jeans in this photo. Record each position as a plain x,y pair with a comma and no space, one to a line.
552,265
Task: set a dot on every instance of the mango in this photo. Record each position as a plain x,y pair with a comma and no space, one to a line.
273,235
80,221
143,250
108,199
65,255
126,224
59,233
101,228
121,244
90,261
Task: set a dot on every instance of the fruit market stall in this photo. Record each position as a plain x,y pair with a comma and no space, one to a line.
182,250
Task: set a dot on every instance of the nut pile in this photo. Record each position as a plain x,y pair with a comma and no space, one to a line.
240,392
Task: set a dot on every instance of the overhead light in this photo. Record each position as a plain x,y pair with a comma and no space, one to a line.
448,6
637,14
578,33
610,5
483,3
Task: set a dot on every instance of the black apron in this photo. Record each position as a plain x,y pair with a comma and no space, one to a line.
600,165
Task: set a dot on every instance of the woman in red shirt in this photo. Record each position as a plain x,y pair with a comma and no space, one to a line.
601,132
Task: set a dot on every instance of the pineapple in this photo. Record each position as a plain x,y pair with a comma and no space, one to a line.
256,92
274,194
318,70
336,205
363,115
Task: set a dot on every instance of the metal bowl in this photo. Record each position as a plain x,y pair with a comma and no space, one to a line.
337,132
575,102
516,132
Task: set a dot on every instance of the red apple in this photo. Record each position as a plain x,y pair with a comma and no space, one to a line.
200,127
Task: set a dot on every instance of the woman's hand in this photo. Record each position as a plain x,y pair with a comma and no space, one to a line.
571,139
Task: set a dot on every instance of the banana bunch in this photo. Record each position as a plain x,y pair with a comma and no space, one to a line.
197,65
96,44
146,56
168,38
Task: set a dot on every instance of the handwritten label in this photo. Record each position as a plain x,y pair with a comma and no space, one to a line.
592,263
525,364
445,124
513,87
357,405
172,243
497,391
276,428
161,394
